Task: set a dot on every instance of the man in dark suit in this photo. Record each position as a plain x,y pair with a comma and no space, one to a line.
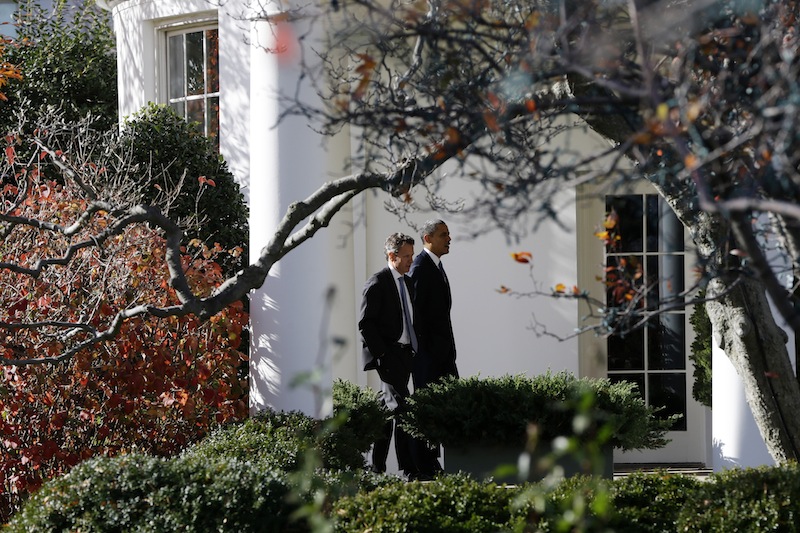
437,346
436,357
386,323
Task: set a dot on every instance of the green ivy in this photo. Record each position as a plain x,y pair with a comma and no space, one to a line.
701,354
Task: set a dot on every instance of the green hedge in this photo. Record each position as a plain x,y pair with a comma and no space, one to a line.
753,499
147,494
265,475
491,411
284,439
448,504
650,503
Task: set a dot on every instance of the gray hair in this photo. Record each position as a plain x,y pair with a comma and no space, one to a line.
395,241
429,227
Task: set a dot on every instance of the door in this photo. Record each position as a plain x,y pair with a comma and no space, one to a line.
644,260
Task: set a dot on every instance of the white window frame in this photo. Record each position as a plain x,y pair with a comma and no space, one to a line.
166,29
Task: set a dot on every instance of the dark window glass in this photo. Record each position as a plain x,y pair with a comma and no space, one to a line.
212,124
195,64
629,210
626,353
212,61
665,279
645,266
669,391
636,378
196,113
624,277
667,342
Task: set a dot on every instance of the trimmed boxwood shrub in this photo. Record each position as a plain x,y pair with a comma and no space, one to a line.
650,502
147,494
284,439
191,493
752,499
281,440
359,411
494,411
448,504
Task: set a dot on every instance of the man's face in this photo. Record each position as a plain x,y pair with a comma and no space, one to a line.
439,241
401,261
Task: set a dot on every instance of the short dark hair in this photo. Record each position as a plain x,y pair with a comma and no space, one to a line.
395,241
429,227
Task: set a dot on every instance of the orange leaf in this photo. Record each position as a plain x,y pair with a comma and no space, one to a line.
503,289
10,154
522,257
560,288
491,121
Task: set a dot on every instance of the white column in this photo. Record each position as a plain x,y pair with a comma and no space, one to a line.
736,441
289,313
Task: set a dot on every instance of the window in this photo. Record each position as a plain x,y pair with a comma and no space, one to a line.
648,253
193,78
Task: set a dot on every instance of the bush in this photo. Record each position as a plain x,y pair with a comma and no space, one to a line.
359,416
284,439
67,60
146,494
164,150
157,386
650,502
753,499
491,411
448,504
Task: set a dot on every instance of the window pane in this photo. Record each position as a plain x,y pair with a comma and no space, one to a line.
624,277
667,342
636,378
177,85
212,119
626,353
195,64
179,108
212,61
668,391
665,279
195,114
664,230
629,209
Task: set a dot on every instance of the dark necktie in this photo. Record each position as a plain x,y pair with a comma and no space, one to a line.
406,315
441,269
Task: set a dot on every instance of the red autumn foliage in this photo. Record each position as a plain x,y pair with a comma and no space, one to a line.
160,385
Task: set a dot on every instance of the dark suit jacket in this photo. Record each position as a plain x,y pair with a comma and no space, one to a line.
381,318
436,356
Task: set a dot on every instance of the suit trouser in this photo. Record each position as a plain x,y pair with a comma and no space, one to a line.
394,370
